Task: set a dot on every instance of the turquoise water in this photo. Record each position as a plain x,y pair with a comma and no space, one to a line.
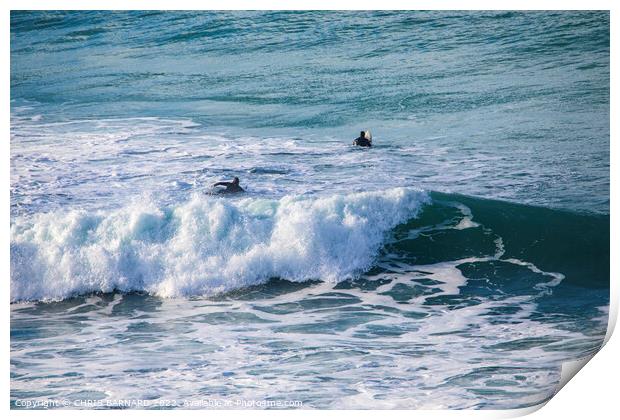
455,264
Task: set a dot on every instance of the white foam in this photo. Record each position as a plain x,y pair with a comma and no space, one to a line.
203,246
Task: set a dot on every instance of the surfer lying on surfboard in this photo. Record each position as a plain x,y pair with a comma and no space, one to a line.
231,187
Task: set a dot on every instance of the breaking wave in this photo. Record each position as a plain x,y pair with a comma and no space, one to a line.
204,246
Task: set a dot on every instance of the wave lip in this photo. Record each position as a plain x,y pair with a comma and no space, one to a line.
204,246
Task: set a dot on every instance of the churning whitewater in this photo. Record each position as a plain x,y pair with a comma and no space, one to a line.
205,246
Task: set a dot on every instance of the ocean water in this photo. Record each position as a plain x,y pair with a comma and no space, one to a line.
456,264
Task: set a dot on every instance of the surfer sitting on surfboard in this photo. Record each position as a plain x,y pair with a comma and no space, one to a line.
364,140
231,187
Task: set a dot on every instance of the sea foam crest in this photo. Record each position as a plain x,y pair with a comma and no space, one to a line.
204,246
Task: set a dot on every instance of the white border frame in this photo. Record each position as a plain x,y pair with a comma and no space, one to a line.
593,394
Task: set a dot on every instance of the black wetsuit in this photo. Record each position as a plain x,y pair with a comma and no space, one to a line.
231,187
362,141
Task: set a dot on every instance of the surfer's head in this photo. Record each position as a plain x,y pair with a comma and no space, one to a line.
362,134
235,181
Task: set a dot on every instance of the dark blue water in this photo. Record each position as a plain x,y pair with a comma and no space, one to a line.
456,264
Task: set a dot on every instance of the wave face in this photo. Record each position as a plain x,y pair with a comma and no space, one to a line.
204,246
478,302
